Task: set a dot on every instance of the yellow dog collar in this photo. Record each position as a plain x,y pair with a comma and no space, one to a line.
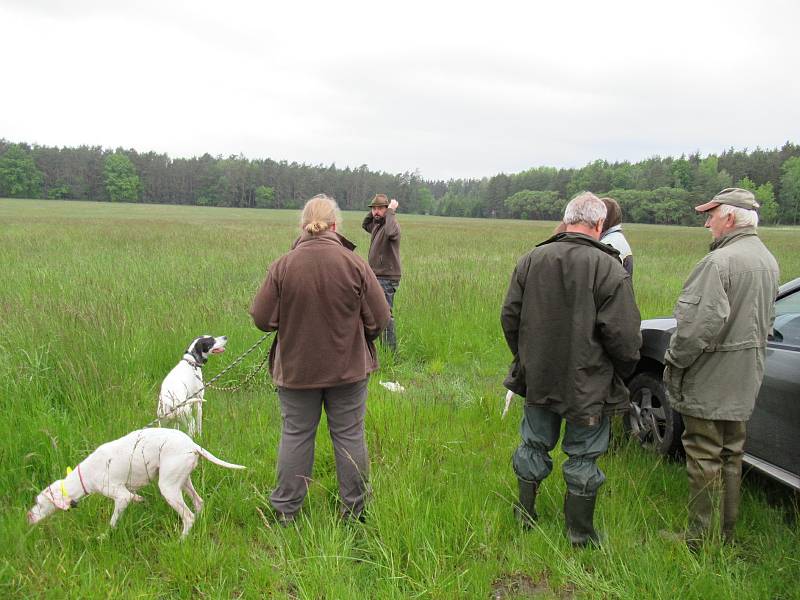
64,491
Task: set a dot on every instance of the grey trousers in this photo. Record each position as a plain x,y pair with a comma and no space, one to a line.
345,407
714,451
540,431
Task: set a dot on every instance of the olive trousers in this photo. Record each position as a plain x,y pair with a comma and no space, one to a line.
540,431
345,408
714,451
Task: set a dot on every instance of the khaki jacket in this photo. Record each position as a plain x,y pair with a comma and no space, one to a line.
715,360
327,307
571,320
384,245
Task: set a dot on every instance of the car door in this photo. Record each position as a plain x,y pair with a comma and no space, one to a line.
773,433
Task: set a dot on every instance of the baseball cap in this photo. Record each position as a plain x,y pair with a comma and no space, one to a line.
732,196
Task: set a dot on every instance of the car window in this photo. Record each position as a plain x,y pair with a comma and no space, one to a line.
786,329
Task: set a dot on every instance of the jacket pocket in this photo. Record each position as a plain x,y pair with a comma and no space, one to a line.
686,308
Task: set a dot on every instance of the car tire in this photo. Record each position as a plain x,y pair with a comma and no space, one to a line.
651,420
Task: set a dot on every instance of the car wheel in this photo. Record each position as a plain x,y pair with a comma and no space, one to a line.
651,419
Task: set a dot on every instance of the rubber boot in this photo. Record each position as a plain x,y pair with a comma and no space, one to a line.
525,509
701,507
579,517
731,494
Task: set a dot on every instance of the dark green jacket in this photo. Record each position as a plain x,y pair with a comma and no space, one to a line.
715,360
571,319
384,245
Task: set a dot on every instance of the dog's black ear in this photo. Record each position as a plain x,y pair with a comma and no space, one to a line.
206,344
192,346
195,349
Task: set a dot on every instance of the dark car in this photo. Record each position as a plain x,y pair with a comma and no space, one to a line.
773,432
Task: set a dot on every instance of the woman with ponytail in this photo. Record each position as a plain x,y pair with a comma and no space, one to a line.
327,308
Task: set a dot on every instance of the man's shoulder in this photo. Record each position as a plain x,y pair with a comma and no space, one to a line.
740,252
579,248
575,253
713,261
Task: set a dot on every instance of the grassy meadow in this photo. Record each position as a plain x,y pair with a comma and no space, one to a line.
97,303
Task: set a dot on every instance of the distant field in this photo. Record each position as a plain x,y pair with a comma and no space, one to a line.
97,303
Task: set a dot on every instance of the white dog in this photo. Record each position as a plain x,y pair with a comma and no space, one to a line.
119,468
181,397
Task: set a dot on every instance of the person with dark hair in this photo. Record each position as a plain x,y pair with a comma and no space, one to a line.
384,253
613,236
328,308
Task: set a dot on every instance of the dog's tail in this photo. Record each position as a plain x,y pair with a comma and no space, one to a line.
217,461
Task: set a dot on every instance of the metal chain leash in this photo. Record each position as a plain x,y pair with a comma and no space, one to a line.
247,379
209,383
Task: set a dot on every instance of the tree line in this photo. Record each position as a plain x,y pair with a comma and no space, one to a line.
660,190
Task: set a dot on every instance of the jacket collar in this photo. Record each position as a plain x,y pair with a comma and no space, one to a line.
330,236
733,236
583,239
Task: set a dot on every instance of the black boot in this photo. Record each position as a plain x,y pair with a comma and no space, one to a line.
579,516
525,509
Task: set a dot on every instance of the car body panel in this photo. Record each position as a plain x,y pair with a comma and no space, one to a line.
656,334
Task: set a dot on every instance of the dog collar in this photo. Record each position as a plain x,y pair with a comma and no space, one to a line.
80,478
191,362
65,494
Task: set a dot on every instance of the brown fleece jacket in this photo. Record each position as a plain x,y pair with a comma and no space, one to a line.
327,307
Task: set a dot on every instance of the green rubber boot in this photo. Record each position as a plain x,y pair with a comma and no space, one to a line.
525,509
579,517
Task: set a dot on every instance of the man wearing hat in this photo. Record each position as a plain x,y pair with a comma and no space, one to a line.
384,253
715,360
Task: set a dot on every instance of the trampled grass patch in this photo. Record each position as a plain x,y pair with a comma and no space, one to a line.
98,302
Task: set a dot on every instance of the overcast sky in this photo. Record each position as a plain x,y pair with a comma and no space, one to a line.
453,89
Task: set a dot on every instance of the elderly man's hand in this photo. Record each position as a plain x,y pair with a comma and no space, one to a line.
393,204
673,381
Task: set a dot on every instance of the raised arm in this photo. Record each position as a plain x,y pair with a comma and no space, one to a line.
391,226
368,224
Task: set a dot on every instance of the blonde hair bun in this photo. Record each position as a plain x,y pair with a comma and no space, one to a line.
316,227
320,214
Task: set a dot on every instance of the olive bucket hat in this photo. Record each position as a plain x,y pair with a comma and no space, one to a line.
732,196
379,200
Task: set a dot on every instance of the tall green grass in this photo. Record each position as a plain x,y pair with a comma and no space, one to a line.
97,303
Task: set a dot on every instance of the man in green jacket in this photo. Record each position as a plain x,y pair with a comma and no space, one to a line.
715,360
571,322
